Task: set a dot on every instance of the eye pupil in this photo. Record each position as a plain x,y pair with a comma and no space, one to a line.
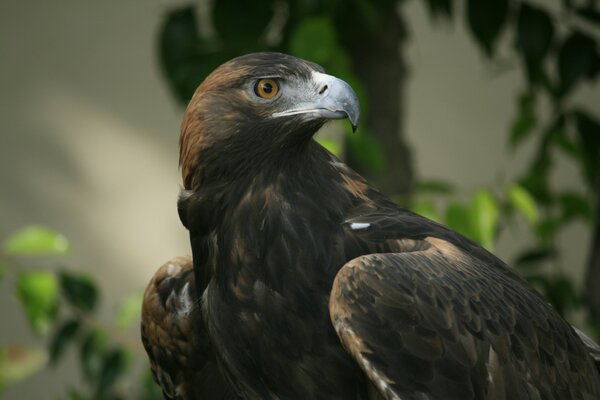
266,88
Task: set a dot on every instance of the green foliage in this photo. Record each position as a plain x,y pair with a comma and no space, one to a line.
93,346
458,218
311,31
483,215
367,151
440,8
534,257
240,24
62,306
18,362
36,241
38,293
535,32
578,59
331,145
114,365
486,19
434,187
185,58
525,121
588,130
64,335
426,209
574,205
129,310
558,289
79,290
523,202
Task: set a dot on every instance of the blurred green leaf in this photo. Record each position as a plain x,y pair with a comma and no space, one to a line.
74,394
483,214
2,271
558,136
150,390
339,65
562,294
186,59
241,24
65,334
332,146
440,8
486,19
558,289
546,229
113,367
91,355
523,202
436,187
129,310
457,218
366,150
525,121
589,13
314,39
588,130
537,176
36,241
574,205
567,145
535,32
38,293
18,362
568,4
373,12
577,59
594,328
534,257
79,290
426,209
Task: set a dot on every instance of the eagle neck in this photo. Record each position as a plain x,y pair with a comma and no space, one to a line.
265,215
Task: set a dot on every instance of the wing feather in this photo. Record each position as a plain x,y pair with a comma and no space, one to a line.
173,333
437,322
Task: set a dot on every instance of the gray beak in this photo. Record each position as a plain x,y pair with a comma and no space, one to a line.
327,97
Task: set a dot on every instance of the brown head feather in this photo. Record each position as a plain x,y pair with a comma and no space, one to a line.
221,105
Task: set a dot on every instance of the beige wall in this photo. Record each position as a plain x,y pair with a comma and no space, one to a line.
88,138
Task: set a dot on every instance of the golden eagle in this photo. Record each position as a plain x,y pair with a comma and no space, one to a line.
307,283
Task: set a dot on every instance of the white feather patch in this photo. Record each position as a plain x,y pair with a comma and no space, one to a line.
356,226
187,304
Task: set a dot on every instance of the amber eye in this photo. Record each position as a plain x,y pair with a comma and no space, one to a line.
266,88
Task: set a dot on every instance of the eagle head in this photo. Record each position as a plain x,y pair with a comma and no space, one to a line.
266,102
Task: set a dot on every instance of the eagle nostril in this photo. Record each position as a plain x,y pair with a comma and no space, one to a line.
323,89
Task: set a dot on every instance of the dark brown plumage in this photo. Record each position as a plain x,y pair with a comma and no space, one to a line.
309,284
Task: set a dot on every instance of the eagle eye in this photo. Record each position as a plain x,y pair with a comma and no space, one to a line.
266,88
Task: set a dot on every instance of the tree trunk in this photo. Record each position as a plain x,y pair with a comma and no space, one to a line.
378,62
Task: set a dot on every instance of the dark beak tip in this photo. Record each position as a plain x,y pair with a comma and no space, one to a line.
354,127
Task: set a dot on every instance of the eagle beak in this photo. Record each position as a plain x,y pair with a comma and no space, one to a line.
327,97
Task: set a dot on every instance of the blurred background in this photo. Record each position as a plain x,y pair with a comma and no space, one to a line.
481,115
